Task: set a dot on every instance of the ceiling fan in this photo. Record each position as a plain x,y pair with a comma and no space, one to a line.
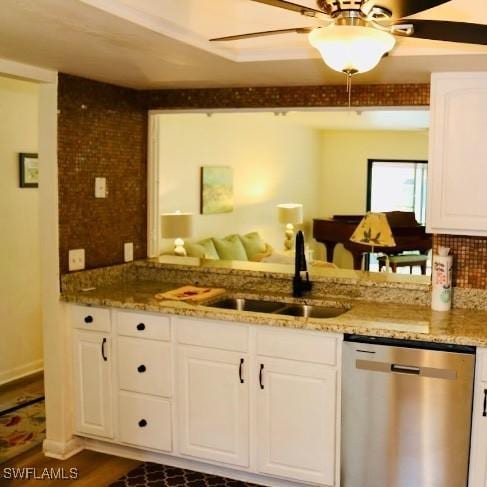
356,34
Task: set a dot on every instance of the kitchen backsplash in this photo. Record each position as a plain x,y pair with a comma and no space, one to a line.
289,96
102,132
469,259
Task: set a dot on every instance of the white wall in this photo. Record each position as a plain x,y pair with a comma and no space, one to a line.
343,169
274,162
20,311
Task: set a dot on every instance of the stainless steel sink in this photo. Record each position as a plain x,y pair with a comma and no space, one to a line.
275,307
309,311
241,304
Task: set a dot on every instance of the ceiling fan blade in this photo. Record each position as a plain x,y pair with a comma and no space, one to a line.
442,30
296,30
294,7
402,8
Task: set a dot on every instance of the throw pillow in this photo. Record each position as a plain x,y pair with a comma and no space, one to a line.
204,249
230,248
253,244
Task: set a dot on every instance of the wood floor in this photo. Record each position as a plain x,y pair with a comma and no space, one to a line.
95,469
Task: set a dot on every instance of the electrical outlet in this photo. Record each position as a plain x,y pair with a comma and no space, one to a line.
100,187
76,259
128,252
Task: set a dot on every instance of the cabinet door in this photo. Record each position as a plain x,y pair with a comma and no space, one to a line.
213,405
93,385
457,200
478,449
296,414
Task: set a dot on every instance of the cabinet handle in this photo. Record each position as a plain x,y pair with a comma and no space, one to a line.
103,349
142,423
260,376
89,319
141,327
141,368
484,414
240,369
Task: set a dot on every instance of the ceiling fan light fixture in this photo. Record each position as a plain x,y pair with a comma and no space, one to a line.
351,49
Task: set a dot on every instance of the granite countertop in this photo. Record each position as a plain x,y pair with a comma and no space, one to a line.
460,326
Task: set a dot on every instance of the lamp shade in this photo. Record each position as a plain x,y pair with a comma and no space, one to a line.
290,213
176,225
351,48
374,230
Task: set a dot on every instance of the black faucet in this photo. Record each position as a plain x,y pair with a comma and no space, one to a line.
300,285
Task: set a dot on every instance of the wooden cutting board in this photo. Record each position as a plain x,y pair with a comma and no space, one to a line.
191,293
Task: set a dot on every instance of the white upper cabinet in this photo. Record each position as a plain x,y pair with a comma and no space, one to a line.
457,195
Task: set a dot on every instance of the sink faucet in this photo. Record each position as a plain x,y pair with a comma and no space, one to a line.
300,285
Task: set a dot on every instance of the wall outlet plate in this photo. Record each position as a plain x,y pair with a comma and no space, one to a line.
128,252
100,187
76,259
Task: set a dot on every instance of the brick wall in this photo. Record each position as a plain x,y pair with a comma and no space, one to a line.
102,131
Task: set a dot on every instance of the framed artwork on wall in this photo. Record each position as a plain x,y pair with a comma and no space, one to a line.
216,193
28,170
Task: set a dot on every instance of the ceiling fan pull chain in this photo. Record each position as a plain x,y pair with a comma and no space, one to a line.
349,89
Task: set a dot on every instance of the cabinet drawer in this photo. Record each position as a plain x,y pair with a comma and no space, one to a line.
144,366
143,325
305,346
90,318
145,421
227,336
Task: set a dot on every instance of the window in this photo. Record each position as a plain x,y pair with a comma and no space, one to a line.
397,186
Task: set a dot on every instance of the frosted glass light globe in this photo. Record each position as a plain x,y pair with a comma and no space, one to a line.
351,48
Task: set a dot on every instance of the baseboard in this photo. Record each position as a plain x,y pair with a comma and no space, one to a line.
187,463
21,372
62,450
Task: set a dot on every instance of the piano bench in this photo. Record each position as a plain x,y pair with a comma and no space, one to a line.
404,260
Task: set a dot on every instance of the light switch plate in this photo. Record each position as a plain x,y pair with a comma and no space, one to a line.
128,252
76,260
100,187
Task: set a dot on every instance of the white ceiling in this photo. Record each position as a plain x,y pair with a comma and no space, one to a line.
330,120
163,43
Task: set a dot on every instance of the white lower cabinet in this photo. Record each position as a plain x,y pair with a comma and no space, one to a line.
478,450
296,414
253,398
93,383
213,405
145,421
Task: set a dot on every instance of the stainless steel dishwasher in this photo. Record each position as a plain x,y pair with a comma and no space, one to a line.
406,415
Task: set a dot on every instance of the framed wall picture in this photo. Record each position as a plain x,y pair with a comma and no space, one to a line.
216,189
28,170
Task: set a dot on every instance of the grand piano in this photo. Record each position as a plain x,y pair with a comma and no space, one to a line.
407,232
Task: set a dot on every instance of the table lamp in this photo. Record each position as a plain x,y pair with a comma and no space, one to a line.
374,231
290,214
177,225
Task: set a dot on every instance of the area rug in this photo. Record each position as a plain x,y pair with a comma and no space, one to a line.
154,475
22,430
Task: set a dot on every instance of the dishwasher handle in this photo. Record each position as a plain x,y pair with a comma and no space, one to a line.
405,369
389,368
